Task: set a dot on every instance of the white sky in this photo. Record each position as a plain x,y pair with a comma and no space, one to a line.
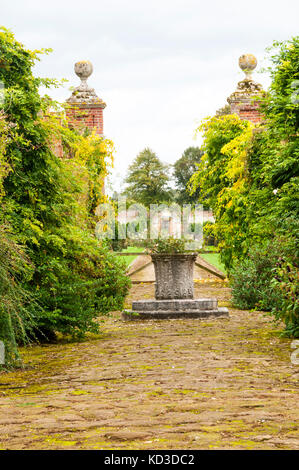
160,65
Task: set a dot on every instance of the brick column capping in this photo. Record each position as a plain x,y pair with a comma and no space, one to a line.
84,109
245,100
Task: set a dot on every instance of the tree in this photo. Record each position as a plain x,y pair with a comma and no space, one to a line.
184,168
225,110
147,180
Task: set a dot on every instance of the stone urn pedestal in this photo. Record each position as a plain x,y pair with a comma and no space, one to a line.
174,292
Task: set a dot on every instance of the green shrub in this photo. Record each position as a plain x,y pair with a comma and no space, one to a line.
251,280
209,234
268,280
73,277
286,282
168,245
15,319
75,288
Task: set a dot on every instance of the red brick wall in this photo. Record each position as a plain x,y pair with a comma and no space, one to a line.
247,110
86,116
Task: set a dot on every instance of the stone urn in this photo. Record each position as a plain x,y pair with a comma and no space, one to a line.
174,292
174,275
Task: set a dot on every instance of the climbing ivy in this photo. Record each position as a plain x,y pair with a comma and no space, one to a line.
221,176
250,178
68,275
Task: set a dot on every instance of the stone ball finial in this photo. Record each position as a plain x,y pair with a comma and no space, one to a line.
247,63
84,94
83,69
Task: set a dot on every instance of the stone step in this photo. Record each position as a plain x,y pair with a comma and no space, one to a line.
175,305
174,314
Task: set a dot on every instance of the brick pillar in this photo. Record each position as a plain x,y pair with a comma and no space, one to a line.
245,100
84,109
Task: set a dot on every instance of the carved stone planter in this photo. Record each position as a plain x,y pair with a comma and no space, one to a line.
174,292
174,275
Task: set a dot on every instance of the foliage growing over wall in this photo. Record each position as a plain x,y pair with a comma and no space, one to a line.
72,277
250,178
221,176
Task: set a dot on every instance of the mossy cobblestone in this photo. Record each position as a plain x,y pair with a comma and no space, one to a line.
172,384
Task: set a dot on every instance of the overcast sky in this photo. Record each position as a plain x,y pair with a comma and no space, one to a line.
160,65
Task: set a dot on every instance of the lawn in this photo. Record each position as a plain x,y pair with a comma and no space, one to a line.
214,259
128,259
